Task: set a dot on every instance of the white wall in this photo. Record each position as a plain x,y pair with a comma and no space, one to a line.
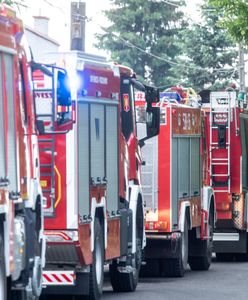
40,45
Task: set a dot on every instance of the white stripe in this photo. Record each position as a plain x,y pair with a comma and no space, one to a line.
71,183
3,208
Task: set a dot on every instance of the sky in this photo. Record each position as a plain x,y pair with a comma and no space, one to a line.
58,11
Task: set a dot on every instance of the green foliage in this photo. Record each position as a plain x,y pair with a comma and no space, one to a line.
9,2
210,53
139,27
154,39
235,17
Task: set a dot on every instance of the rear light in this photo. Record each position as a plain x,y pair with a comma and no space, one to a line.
161,225
61,236
149,226
223,206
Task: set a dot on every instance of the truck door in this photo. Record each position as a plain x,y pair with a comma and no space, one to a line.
12,170
2,126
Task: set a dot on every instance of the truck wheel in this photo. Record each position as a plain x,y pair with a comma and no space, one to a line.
176,267
96,269
127,282
3,280
203,262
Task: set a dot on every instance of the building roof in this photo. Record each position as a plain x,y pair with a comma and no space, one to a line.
43,36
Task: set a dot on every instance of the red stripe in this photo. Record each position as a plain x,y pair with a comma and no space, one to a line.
66,278
56,277
47,278
40,84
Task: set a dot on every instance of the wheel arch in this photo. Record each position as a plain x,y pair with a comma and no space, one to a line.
98,210
136,205
185,215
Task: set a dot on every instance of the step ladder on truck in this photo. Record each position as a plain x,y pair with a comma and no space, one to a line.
225,122
180,206
95,215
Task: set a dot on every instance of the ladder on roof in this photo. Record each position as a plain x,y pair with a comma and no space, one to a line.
220,138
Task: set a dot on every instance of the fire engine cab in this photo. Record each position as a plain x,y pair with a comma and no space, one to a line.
91,178
179,201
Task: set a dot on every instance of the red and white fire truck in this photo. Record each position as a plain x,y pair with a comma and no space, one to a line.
226,136
22,244
180,207
91,179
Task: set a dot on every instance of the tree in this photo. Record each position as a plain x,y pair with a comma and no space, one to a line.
144,34
9,2
209,53
235,17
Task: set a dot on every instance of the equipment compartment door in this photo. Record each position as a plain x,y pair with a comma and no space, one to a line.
83,159
2,127
112,157
244,143
97,143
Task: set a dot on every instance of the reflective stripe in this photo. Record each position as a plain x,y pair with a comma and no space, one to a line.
58,278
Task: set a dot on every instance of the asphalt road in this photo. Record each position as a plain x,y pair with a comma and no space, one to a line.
224,280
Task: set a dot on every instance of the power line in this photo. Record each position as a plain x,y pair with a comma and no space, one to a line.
131,45
55,6
167,2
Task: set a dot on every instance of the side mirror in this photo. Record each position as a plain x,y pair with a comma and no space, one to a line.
63,90
153,121
152,94
40,126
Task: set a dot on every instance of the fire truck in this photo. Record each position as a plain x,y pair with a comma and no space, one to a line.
226,137
91,178
22,244
180,206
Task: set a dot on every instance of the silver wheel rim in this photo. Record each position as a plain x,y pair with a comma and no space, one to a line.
184,250
99,262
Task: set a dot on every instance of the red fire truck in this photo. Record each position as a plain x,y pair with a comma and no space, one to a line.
91,179
226,132
22,245
180,207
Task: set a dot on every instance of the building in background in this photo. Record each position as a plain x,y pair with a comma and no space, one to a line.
38,39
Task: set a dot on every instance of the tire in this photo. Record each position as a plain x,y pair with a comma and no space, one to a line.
202,263
3,279
96,269
224,257
127,282
176,267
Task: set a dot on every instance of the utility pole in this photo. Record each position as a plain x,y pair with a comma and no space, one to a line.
78,17
241,68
